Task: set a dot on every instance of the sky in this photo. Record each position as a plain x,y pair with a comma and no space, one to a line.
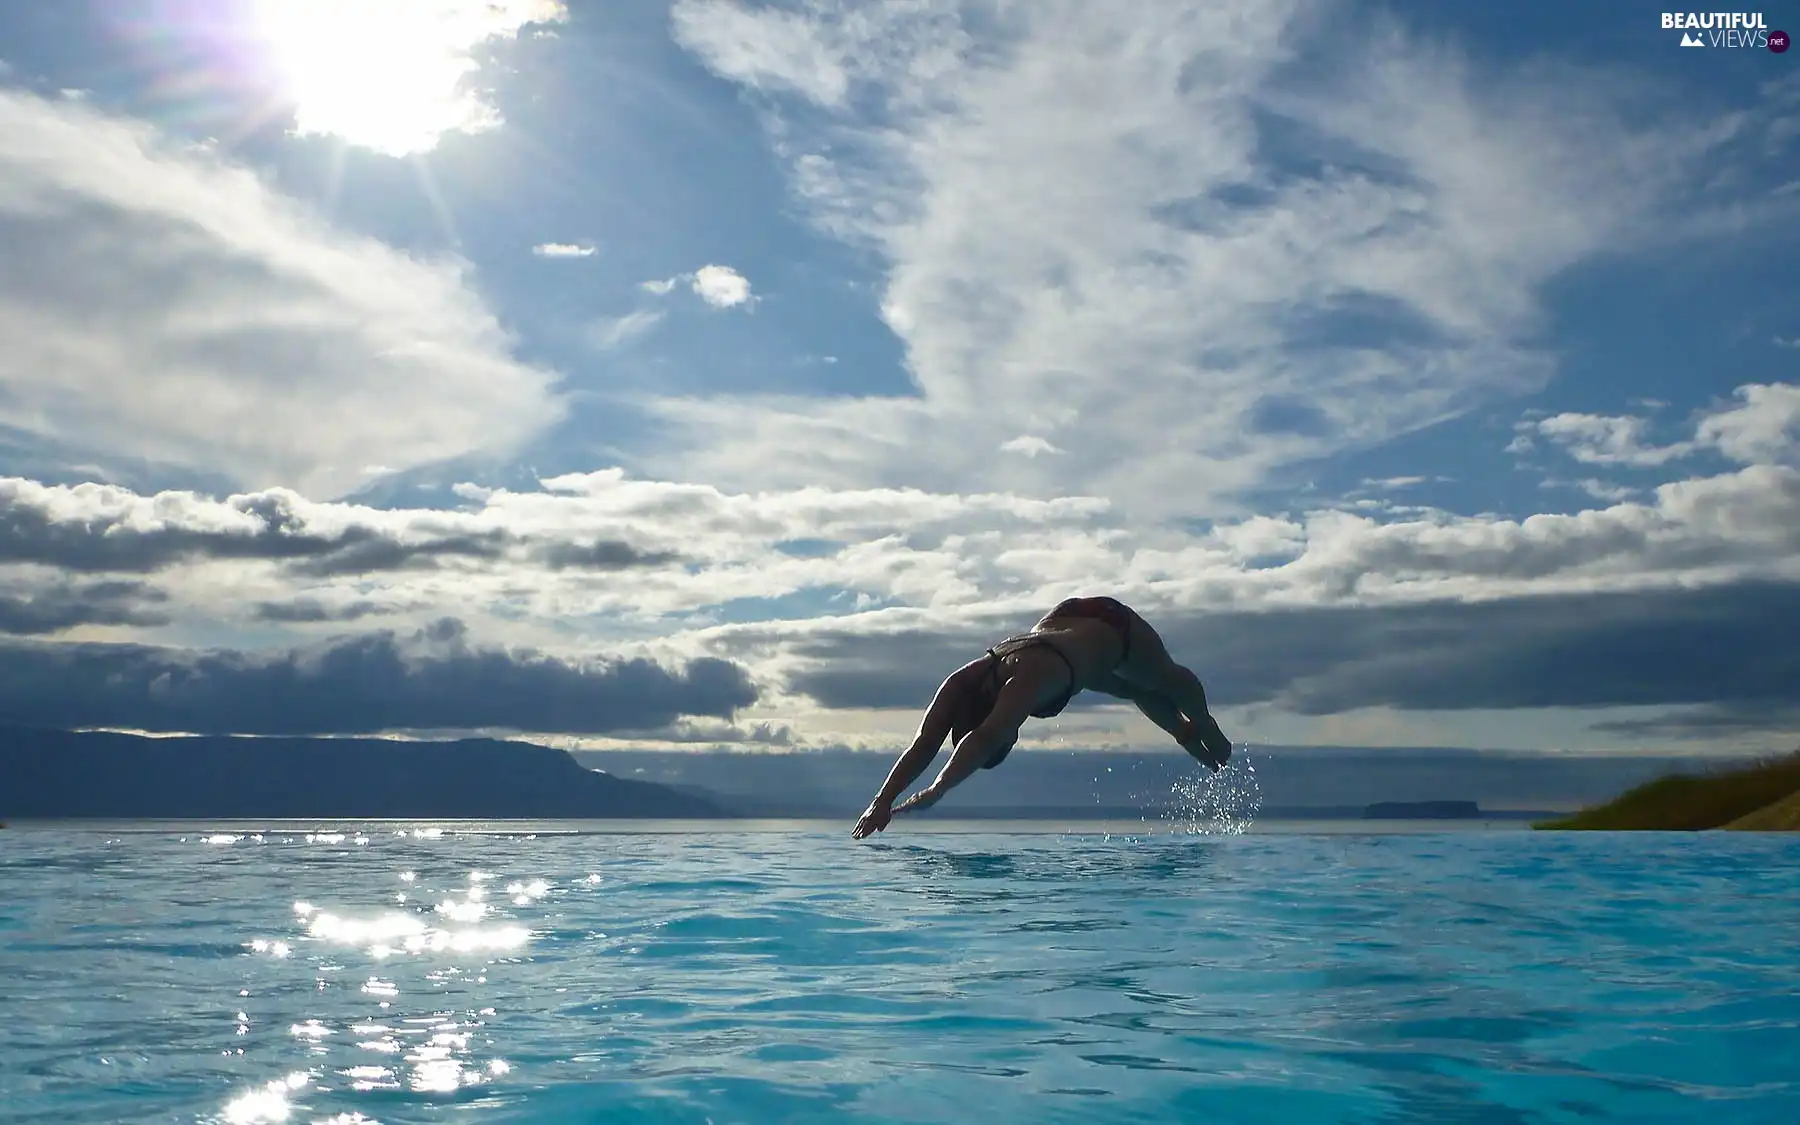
720,375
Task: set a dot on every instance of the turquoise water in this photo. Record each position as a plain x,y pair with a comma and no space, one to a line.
381,973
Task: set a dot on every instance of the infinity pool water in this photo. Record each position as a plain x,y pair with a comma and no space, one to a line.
399,973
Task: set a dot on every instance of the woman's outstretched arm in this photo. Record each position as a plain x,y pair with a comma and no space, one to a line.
1000,728
933,729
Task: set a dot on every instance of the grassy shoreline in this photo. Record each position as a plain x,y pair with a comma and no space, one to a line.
1761,797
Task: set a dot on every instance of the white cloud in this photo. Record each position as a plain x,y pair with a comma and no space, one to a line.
1260,537
721,286
1763,429
159,303
1598,489
1782,342
1596,439
1744,524
563,250
618,331
1611,493
1028,445
1719,529
764,48
952,559
1072,207
527,559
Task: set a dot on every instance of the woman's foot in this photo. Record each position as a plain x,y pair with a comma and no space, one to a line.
1206,742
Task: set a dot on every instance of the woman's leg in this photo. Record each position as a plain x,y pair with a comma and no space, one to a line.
1149,666
1156,706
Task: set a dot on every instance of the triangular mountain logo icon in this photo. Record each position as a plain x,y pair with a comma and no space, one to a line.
1689,39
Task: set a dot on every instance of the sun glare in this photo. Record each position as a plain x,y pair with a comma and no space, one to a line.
389,75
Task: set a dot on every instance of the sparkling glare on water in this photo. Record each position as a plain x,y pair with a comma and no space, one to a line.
1204,803
922,976
1224,803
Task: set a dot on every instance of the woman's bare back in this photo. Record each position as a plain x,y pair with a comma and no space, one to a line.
1092,648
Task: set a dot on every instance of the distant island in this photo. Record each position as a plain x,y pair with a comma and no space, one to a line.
1422,810
66,775
1761,797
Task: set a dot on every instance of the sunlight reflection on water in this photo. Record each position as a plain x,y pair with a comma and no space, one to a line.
269,1104
434,1052
392,932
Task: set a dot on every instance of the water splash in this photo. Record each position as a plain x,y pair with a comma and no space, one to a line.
1217,804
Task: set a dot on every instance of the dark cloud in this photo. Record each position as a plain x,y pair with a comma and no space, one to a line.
363,550
53,609
1712,722
1725,645
33,532
52,529
434,679
606,554
893,670
771,734
302,611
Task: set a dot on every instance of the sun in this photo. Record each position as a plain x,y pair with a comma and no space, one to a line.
388,75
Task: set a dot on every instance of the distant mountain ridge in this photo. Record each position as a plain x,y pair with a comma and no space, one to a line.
63,774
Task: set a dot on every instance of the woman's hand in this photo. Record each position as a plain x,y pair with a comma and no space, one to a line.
874,819
920,801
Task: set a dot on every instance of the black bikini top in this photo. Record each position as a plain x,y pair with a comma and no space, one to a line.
1023,641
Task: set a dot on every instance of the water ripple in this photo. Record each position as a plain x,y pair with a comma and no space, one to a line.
373,973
